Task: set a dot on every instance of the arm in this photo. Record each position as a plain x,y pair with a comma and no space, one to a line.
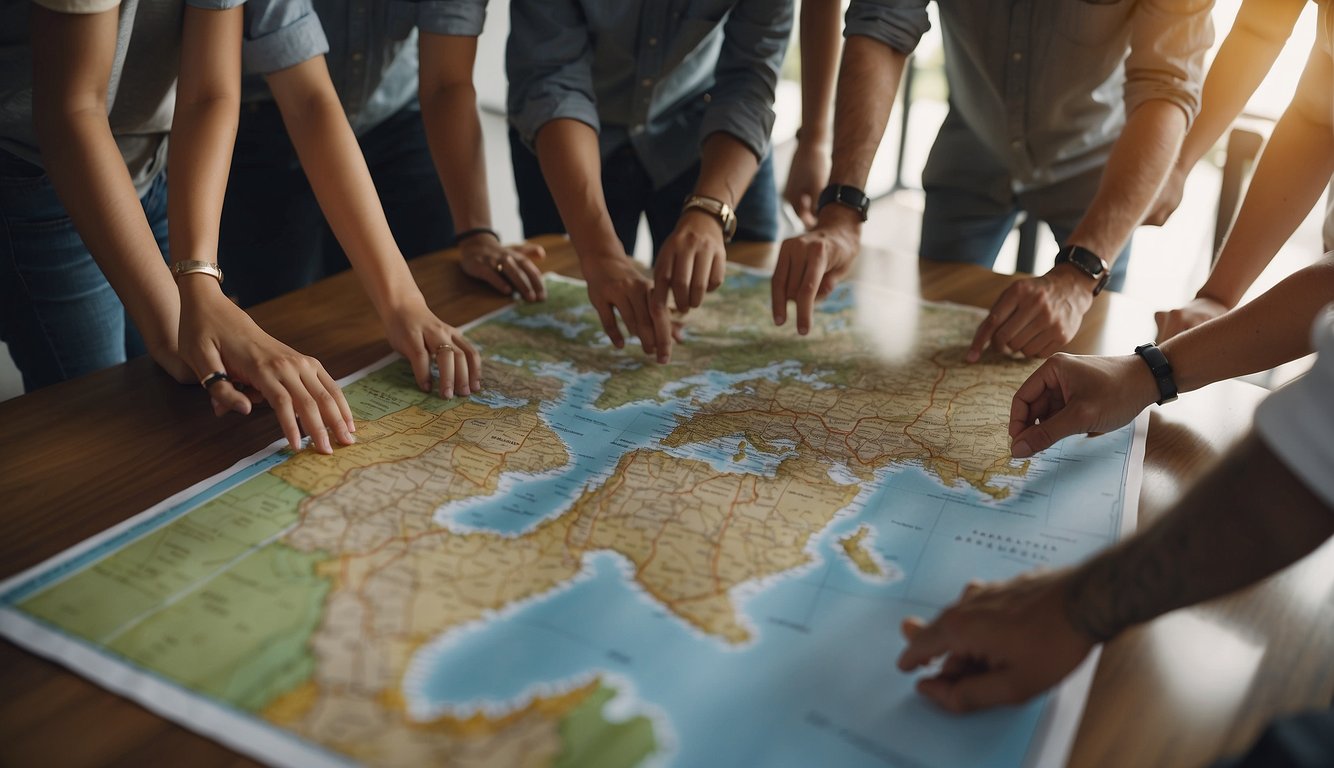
820,43
571,163
215,334
337,170
1075,395
1245,519
551,103
1038,316
1257,36
1293,171
72,56
454,133
810,265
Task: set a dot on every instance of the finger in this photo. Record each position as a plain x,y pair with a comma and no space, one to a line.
534,276
307,410
488,274
420,360
281,403
517,276
718,271
806,211
1161,319
926,644
1017,326
609,325
699,278
910,627
643,320
531,251
223,393
808,286
662,331
331,415
1044,434
1000,312
462,379
778,283
444,358
344,409
662,281
969,693
1026,397
1029,339
683,268
473,358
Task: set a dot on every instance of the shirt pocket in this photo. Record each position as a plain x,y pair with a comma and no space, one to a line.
1092,22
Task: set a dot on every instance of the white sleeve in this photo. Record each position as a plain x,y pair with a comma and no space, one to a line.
78,6
1297,421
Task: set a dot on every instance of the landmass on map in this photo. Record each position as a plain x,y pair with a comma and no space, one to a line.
856,546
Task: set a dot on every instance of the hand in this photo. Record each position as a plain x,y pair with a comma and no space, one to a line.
506,268
1036,316
1169,197
616,285
1072,395
692,261
810,265
1198,311
1002,644
416,333
807,176
216,335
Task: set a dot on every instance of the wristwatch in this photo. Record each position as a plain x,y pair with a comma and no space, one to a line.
1088,262
716,208
845,195
1161,370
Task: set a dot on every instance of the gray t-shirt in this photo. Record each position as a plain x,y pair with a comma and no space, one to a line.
141,94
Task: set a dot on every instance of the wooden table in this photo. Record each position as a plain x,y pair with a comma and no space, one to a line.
81,456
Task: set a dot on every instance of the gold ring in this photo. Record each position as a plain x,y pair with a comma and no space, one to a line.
500,267
213,378
443,347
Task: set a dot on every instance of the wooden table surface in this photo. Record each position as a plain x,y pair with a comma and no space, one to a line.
78,457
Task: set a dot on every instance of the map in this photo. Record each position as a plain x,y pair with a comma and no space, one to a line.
600,561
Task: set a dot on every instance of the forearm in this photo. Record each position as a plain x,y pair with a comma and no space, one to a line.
863,104
1269,331
333,162
1245,519
820,34
1293,171
1139,162
572,165
453,130
727,167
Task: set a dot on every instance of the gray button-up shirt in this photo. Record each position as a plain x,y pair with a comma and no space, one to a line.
1045,85
660,75
371,47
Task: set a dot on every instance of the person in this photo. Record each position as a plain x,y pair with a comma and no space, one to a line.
86,105
612,100
274,235
1268,503
1294,169
820,26
1068,111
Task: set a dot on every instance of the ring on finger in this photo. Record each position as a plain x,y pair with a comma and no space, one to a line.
444,348
500,266
214,378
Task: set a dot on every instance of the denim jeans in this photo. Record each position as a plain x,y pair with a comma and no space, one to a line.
970,208
274,238
629,193
58,314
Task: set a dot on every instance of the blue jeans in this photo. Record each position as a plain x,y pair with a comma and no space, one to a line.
58,313
629,193
971,208
274,238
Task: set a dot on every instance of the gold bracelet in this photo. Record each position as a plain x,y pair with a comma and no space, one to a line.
190,267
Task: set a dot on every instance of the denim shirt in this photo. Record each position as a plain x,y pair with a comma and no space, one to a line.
371,47
1046,85
658,75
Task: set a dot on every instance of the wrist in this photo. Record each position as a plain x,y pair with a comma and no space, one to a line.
1072,279
839,217
1222,298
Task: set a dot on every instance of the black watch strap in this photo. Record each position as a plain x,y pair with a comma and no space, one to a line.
1161,370
845,195
1088,262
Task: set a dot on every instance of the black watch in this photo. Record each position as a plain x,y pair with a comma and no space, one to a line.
845,195
1161,370
1088,262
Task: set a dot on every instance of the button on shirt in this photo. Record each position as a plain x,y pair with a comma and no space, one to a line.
658,75
1045,85
371,47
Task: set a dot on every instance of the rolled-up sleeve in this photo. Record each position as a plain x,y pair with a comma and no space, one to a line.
214,5
280,34
899,24
1297,421
741,104
549,62
463,18
1168,40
